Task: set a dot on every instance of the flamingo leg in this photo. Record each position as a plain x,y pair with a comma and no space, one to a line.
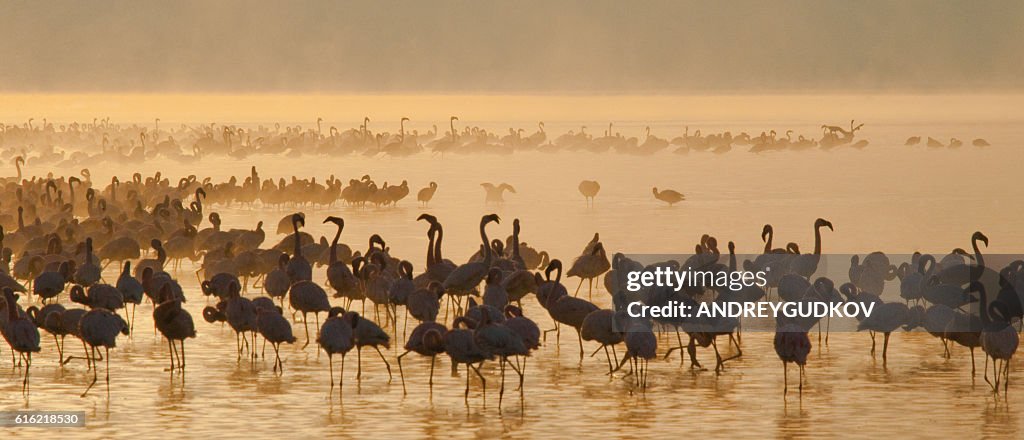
1006,373
277,358
28,368
466,394
94,378
828,325
579,337
483,381
60,350
107,359
885,347
386,364
801,381
431,383
501,391
785,378
341,378
719,364
402,373
986,371
305,324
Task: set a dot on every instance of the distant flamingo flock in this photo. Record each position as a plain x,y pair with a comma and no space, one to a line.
102,141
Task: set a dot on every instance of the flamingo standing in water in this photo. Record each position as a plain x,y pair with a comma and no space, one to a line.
792,345
668,196
999,340
336,337
298,268
426,194
460,344
465,278
276,330
589,190
21,334
308,297
427,339
590,266
99,327
367,333
175,323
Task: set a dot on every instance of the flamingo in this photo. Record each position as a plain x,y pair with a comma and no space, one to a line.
99,327
298,267
367,333
495,193
339,276
599,326
999,340
589,190
590,266
308,297
276,330
21,334
465,278
792,345
461,346
41,317
425,195
131,291
336,337
501,341
89,272
563,308
641,347
668,196
426,339
175,323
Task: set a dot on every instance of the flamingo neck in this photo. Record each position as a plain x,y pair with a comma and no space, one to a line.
979,262
437,245
817,240
430,250
515,244
334,246
487,243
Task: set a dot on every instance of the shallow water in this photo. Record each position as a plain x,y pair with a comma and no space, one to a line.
886,197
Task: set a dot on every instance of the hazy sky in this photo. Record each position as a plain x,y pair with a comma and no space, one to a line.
516,46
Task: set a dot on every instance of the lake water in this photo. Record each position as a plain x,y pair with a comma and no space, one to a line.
886,197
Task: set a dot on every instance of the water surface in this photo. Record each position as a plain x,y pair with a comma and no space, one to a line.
886,197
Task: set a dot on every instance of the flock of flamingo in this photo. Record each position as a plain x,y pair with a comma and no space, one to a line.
67,229
76,144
